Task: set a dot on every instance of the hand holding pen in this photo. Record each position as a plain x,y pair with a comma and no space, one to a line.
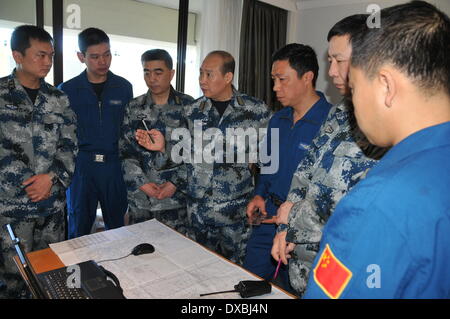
152,140
146,128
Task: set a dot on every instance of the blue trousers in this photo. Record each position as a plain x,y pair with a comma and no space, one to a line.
258,258
96,182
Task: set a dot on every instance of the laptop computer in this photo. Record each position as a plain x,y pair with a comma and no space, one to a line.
86,280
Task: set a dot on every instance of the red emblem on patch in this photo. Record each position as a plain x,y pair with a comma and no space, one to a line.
331,275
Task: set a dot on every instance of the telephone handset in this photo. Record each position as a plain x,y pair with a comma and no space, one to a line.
95,283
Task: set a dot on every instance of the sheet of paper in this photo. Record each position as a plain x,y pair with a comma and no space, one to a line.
179,267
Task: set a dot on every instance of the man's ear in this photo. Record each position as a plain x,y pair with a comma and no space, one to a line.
17,56
229,77
172,73
81,57
388,82
308,77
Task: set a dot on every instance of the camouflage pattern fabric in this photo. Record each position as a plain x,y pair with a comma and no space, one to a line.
34,139
218,191
138,165
229,240
35,233
339,157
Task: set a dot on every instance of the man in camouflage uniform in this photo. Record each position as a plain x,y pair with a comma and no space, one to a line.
37,151
338,158
150,194
219,190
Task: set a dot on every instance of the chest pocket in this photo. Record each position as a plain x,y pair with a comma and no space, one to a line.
147,116
50,129
115,109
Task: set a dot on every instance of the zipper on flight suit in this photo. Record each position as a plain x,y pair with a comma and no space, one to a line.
100,110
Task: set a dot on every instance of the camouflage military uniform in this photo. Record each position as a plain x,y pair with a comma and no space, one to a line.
339,157
137,163
217,193
34,139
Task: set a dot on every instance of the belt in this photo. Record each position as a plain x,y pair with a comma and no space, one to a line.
275,200
98,157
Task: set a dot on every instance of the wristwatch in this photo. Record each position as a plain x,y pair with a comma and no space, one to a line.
281,228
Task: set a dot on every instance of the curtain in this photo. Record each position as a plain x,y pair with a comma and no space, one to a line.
263,31
220,23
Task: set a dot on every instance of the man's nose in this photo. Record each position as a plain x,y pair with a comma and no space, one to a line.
333,70
48,60
276,85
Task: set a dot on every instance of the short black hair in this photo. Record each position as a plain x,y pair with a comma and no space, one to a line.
348,26
91,36
21,36
158,54
302,58
228,61
414,38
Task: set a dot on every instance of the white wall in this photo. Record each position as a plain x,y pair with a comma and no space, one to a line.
311,24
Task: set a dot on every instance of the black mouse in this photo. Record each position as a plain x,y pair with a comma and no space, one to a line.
143,249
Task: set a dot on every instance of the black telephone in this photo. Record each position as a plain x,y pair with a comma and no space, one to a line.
54,284
95,283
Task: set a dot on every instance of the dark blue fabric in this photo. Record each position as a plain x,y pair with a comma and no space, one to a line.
294,141
258,258
398,219
98,128
293,144
95,182
99,124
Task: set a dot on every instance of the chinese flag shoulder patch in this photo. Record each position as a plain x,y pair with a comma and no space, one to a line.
331,275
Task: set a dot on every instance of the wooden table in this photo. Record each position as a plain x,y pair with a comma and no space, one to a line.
44,260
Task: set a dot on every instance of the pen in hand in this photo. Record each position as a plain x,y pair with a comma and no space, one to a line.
146,128
276,271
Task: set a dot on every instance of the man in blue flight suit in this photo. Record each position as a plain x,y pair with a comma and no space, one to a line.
294,72
388,238
338,158
98,97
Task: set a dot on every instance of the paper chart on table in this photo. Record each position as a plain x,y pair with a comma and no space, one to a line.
179,267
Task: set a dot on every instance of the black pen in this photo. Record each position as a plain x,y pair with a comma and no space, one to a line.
151,138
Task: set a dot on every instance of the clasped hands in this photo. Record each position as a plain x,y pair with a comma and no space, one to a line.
159,191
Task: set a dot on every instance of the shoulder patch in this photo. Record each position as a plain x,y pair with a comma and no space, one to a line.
331,275
240,100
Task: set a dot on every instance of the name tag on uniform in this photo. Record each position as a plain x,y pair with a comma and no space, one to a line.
115,102
303,146
11,107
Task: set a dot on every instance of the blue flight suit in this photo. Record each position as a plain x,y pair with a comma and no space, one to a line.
98,173
293,145
391,232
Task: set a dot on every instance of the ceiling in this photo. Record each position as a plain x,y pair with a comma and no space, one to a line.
194,5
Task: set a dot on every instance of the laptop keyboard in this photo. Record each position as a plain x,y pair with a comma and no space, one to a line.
55,283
